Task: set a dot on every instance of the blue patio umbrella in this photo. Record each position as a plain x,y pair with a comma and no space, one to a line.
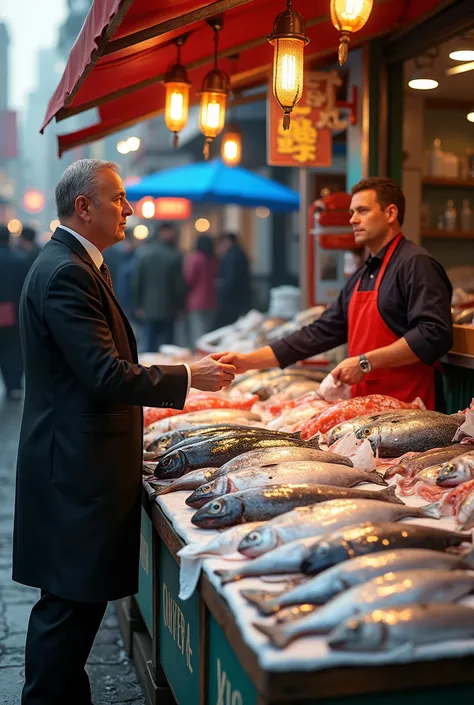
214,182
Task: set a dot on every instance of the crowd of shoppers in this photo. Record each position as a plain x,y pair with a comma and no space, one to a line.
156,284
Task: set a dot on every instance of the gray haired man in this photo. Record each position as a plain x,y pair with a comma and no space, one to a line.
77,510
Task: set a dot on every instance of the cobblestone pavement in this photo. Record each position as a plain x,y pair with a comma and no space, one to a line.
112,675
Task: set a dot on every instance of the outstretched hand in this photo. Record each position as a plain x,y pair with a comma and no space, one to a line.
237,360
211,375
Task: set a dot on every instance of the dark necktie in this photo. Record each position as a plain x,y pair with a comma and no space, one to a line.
106,272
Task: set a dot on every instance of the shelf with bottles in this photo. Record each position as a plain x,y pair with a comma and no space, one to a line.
446,234
449,220
447,168
442,181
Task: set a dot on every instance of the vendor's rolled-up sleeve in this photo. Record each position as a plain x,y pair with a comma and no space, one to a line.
430,334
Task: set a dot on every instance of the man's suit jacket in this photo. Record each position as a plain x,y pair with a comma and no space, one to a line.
77,510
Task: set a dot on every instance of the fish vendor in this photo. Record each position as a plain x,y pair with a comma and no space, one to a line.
394,313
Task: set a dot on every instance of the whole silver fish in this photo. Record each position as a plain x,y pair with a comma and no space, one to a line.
414,625
219,450
359,570
261,504
319,519
286,473
358,422
373,537
270,457
457,471
419,461
225,543
389,590
236,484
284,559
412,432
199,418
171,439
190,481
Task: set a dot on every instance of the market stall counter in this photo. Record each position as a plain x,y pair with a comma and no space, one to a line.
204,650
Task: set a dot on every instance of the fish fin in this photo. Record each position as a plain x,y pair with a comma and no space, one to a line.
468,557
260,598
314,442
431,510
390,494
376,478
394,470
227,576
275,633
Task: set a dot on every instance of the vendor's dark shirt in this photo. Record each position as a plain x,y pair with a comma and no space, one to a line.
414,301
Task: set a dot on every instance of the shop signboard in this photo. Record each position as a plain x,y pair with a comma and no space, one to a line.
308,141
144,597
228,684
179,630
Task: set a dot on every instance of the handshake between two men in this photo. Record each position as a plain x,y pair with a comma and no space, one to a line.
210,374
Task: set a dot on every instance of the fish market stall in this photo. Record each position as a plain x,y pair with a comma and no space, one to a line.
217,628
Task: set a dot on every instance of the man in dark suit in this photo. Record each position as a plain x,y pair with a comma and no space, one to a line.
77,510
13,270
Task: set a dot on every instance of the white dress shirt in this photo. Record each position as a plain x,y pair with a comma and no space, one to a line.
96,256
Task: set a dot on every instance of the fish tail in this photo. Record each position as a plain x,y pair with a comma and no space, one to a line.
227,576
431,510
261,600
468,524
390,494
376,478
275,633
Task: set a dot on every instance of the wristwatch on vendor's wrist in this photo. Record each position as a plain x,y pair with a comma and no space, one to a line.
364,364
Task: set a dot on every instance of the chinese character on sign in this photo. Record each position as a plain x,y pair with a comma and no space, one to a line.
320,90
301,139
308,142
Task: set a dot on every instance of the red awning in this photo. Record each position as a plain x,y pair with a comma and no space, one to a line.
125,47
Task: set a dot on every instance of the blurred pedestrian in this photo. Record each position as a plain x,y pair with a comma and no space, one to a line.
27,245
233,287
124,274
158,289
13,271
200,275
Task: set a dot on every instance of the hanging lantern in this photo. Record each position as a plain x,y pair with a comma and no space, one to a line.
349,16
231,151
177,87
288,40
214,91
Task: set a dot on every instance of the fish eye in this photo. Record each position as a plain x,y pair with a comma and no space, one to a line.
253,536
215,507
323,549
366,432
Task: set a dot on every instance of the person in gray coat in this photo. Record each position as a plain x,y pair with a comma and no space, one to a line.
158,288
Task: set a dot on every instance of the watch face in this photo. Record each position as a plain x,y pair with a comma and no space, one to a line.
364,366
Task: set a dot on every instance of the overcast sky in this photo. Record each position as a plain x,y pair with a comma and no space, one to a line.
32,25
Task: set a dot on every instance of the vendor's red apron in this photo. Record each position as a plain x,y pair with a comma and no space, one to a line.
368,331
